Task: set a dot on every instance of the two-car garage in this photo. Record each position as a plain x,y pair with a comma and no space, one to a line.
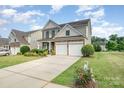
72,48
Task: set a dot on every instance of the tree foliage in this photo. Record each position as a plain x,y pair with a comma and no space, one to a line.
97,47
111,45
115,43
97,42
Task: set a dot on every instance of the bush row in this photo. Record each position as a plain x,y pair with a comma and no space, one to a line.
86,50
25,50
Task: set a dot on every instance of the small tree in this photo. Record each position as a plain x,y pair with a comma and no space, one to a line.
97,47
111,45
87,50
24,49
120,46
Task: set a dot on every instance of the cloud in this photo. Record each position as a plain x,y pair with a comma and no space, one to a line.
35,27
96,16
95,13
56,8
100,27
27,17
3,22
8,12
106,29
16,6
83,8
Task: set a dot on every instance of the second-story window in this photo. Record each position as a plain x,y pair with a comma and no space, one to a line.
53,33
47,34
67,32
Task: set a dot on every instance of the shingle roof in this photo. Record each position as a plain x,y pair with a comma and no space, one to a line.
4,41
15,44
20,35
56,25
29,32
70,38
45,40
60,39
76,23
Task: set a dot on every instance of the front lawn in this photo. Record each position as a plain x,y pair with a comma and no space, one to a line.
6,61
108,69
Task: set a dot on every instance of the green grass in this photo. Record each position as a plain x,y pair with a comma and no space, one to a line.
6,61
108,69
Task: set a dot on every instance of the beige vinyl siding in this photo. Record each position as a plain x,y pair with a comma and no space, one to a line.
33,37
73,32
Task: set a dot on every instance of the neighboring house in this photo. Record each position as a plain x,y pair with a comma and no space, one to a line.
4,43
19,38
67,38
103,45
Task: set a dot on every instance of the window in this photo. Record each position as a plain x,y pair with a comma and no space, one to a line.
14,40
67,32
47,34
53,33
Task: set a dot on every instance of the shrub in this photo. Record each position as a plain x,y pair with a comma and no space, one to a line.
19,53
24,49
84,77
35,50
53,52
97,47
30,54
87,50
40,50
45,52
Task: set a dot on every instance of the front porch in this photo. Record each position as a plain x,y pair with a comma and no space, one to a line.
46,45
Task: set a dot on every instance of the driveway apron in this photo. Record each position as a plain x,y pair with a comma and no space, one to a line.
35,74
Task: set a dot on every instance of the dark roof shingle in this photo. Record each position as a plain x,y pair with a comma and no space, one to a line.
70,38
20,35
4,41
76,23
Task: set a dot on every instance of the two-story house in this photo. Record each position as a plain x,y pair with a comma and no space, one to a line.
18,38
67,38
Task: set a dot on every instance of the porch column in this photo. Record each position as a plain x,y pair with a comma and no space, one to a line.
38,46
49,46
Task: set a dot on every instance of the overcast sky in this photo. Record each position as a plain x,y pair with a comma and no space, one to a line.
106,20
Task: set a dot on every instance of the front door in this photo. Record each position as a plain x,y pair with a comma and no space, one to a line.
52,45
45,45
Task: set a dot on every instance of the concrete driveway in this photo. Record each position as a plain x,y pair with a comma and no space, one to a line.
37,73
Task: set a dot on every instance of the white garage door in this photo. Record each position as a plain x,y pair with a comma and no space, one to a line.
72,49
75,48
61,48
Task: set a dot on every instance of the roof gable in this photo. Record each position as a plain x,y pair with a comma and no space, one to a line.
51,24
20,35
73,31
